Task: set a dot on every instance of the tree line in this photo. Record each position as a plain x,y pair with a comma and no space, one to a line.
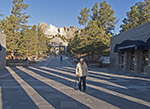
138,15
99,23
22,39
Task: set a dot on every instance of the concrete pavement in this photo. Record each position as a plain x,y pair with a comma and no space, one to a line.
51,85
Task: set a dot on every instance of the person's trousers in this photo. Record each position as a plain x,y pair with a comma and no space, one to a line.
83,78
100,64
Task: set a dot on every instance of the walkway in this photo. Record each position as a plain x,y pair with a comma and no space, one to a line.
52,86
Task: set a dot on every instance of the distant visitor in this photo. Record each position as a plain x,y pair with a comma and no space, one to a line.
61,58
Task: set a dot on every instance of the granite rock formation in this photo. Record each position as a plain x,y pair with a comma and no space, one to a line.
50,31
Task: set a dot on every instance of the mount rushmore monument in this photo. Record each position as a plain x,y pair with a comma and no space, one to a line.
50,31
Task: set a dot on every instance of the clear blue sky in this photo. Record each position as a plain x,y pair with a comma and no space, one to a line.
64,12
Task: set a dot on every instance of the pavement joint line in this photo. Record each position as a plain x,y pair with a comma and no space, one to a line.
121,76
89,78
116,75
1,101
37,99
50,58
109,91
5,75
69,63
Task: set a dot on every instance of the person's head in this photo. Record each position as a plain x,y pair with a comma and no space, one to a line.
81,60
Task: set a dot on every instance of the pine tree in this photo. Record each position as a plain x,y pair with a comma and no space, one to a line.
13,24
34,29
9,25
139,14
74,45
93,39
43,41
96,40
28,43
18,10
84,16
140,6
133,19
147,10
95,12
106,17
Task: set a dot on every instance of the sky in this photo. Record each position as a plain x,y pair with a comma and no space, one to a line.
62,13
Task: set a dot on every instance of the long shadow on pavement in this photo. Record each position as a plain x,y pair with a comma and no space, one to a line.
114,100
13,95
52,95
130,91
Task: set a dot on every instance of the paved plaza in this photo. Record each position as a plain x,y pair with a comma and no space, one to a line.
50,85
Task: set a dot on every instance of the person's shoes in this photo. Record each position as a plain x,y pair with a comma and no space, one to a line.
79,89
84,90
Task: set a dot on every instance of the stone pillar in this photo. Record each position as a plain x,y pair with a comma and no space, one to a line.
65,50
118,61
54,50
137,65
2,51
127,60
59,49
148,69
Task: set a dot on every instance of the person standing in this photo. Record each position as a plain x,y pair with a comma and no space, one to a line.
81,73
27,60
100,62
61,58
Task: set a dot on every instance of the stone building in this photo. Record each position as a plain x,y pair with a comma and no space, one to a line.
130,50
2,50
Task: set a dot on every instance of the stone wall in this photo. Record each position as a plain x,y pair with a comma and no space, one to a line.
3,51
141,32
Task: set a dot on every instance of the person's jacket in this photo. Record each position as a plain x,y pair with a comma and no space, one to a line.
81,69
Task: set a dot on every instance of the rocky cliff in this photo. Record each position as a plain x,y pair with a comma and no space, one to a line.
50,31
